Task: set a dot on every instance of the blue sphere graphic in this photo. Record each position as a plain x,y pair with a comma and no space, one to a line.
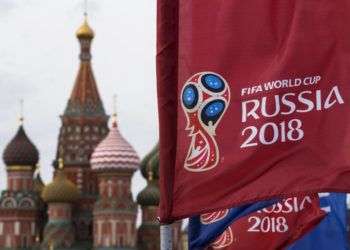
213,82
190,96
214,108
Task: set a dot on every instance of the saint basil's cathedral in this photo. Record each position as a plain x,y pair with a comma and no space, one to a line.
88,204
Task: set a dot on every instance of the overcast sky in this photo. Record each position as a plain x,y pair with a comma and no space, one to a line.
39,62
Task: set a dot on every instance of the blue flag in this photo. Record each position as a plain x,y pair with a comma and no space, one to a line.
202,230
331,233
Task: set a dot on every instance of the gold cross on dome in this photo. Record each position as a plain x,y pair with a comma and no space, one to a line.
21,119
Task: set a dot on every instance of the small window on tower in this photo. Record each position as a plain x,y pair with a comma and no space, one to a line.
86,129
77,129
17,228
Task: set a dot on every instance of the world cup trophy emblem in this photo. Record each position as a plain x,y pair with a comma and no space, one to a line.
205,97
226,238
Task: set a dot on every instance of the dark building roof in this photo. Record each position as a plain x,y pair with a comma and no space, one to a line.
21,151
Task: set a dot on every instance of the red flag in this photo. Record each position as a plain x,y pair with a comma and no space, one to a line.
272,228
253,101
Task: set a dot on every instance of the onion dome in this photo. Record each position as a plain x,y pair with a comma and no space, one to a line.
148,163
114,153
150,195
61,190
21,151
85,31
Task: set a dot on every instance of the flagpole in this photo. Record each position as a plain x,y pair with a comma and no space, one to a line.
166,239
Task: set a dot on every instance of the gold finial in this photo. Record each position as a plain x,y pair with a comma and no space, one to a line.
21,118
60,163
60,159
150,175
85,31
115,104
114,115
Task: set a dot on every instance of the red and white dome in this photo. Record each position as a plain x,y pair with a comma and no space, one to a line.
114,152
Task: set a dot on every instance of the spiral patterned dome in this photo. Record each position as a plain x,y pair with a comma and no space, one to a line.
21,151
114,152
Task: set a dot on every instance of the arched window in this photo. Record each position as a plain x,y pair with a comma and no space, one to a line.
8,241
26,203
9,202
109,188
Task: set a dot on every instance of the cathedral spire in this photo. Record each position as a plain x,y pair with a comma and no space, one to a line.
85,99
84,125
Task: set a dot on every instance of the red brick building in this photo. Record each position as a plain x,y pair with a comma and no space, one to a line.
115,161
89,205
20,203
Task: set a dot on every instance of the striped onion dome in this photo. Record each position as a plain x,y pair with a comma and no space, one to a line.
114,152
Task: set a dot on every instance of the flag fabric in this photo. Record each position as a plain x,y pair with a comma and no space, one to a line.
205,228
253,101
331,233
271,228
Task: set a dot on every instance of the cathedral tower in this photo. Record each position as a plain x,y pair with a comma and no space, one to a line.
60,195
148,199
19,202
115,212
148,233
84,125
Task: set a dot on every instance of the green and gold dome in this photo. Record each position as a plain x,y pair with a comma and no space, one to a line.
151,163
61,190
150,195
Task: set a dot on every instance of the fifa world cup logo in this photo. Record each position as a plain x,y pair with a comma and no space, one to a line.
226,238
205,98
